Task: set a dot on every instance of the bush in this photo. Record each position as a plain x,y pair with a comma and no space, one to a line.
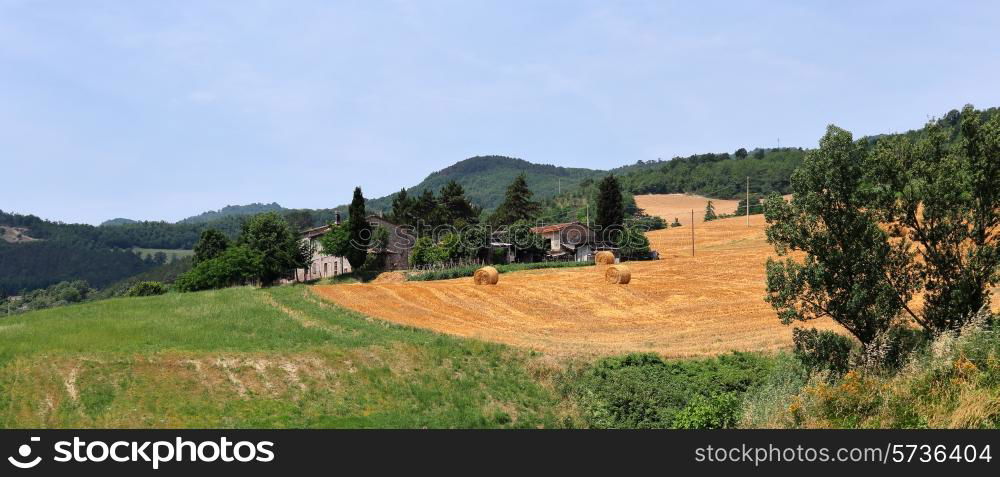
822,350
238,265
892,349
643,391
719,411
146,289
60,294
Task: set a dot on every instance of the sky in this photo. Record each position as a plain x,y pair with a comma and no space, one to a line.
161,110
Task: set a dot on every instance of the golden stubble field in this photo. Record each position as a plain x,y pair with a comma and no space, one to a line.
678,306
679,206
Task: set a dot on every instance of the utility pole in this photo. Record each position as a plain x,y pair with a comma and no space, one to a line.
692,232
748,201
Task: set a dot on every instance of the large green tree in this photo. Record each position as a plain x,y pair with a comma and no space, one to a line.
943,196
211,244
610,206
277,245
517,204
851,272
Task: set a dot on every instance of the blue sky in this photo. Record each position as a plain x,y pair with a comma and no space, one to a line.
161,110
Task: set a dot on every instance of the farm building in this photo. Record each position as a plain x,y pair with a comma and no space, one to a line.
569,241
323,265
396,253
398,246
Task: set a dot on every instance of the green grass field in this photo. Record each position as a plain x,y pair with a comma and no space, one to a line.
172,254
246,357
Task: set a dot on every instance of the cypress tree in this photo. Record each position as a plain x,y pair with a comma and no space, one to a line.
357,224
610,206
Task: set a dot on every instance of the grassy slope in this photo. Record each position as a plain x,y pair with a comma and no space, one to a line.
254,358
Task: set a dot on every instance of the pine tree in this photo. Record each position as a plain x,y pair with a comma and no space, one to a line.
402,208
455,207
426,211
517,204
710,212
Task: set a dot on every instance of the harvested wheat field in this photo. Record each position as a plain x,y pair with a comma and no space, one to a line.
679,206
678,306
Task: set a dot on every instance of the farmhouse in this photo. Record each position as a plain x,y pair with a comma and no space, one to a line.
323,265
568,241
396,254
398,245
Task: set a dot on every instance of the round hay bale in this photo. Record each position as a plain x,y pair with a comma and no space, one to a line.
486,276
618,275
604,257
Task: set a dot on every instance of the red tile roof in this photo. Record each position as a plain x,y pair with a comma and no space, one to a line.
547,229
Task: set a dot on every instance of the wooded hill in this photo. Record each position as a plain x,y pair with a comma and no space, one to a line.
485,178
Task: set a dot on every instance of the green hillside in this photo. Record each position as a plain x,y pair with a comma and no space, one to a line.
232,211
485,178
38,264
245,357
118,221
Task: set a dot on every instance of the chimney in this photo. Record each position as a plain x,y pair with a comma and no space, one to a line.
336,218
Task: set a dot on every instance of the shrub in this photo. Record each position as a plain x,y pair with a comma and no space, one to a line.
146,289
718,411
950,382
238,265
892,349
822,350
643,391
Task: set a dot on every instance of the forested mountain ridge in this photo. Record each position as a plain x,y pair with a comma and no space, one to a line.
232,210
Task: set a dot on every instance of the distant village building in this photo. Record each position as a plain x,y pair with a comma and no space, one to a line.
569,241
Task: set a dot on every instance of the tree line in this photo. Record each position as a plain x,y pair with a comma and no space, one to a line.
717,175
